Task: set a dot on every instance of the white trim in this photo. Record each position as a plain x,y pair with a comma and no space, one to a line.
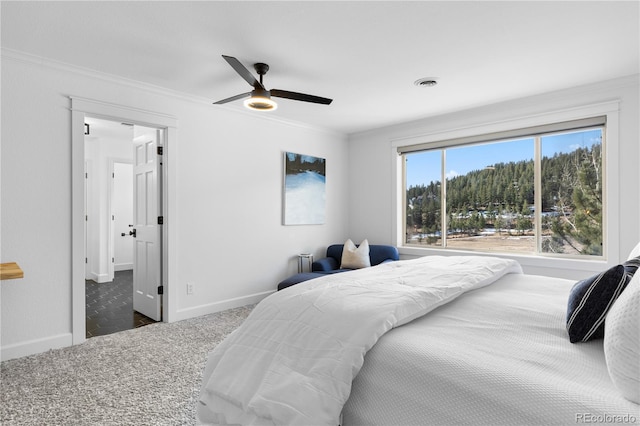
41,61
99,278
568,114
88,170
78,238
35,346
517,133
611,213
169,230
532,264
222,305
79,108
109,111
123,267
27,58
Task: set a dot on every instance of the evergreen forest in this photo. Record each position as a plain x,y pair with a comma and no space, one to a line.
296,163
501,198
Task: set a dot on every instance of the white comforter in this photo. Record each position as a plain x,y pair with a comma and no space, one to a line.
293,360
498,356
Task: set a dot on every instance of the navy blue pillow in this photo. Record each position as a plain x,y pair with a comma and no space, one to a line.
591,299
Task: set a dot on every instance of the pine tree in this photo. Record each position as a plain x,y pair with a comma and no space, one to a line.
571,201
580,196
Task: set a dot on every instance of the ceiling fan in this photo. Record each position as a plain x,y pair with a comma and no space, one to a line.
259,98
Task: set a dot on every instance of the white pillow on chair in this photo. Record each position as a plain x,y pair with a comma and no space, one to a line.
355,257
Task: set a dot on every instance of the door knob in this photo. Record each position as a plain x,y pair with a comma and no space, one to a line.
133,232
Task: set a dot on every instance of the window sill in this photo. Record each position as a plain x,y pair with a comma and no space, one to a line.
531,264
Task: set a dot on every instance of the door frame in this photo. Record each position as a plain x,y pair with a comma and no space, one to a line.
81,107
87,172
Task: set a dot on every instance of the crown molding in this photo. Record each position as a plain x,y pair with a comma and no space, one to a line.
28,58
23,57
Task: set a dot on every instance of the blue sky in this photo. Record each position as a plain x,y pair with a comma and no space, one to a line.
424,167
303,158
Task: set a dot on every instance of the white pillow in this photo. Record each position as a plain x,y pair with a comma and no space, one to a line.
635,252
622,341
355,257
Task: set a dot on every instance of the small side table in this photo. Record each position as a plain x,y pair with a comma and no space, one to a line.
305,260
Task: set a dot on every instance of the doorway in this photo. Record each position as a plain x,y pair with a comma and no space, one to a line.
80,109
123,189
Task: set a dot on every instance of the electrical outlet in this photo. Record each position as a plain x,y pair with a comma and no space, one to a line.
189,288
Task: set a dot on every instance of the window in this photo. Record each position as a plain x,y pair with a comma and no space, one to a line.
529,191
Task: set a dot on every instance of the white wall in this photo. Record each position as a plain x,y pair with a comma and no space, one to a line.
229,243
228,174
372,179
98,152
123,216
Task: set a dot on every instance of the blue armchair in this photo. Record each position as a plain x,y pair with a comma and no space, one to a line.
331,263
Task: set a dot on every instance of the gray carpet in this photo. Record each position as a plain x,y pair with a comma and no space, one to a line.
146,376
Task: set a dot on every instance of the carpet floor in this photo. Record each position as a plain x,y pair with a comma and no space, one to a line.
145,376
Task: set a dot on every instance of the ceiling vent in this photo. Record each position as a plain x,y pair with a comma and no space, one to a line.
426,82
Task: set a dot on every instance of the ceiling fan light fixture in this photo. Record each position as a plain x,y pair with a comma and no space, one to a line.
260,103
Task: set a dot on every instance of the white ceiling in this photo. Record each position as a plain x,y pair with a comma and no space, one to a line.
363,54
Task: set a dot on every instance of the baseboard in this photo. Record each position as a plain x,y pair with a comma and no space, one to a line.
212,308
99,278
31,347
122,267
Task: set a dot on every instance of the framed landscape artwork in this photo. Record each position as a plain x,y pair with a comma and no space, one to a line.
304,189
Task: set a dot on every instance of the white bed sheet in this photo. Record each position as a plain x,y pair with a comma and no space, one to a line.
497,355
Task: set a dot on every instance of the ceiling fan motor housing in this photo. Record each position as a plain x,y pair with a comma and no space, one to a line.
261,68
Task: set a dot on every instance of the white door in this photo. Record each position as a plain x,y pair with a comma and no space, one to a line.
147,241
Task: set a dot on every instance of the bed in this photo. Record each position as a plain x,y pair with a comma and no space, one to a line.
492,350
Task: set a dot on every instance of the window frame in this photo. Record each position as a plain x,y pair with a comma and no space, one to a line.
535,136
533,261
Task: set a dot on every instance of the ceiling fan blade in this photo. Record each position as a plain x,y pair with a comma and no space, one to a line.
300,97
233,98
243,71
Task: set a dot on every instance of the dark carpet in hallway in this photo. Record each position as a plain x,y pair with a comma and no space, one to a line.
110,306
